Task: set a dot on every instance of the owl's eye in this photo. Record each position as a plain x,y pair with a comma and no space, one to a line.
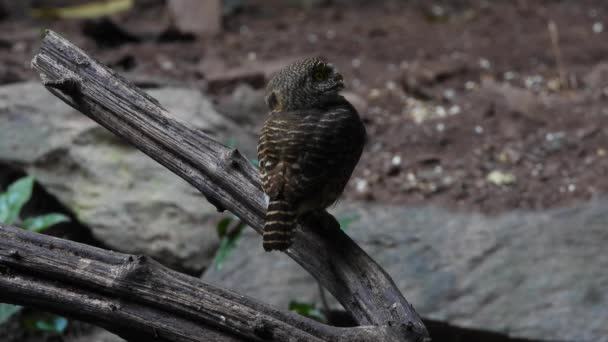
321,73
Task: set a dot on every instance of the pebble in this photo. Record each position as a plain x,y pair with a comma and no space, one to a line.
500,178
553,84
440,111
391,85
411,177
484,63
449,94
396,160
361,185
374,93
598,27
470,85
167,65
454,110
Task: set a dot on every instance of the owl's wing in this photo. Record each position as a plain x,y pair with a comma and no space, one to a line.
303,152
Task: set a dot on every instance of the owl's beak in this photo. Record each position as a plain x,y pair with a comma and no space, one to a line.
339,80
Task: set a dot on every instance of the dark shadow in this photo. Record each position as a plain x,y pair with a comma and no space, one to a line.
439,331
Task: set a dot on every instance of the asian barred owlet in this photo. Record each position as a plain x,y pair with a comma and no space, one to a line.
308,147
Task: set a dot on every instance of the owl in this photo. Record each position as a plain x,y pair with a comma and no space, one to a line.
308,147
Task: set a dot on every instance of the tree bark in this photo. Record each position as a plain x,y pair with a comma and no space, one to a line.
127,293
228,181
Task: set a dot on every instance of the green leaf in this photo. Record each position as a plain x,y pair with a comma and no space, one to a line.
7,311
3,208
40,223
44,321
12,201
55,324
346,221
231,143
307,310
222,226
228,242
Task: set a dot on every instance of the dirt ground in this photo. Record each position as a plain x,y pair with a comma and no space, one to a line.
468,105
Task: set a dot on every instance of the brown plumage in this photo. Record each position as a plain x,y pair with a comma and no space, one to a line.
308,147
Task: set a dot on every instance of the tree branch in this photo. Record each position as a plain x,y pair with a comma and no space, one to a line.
227,179
128,294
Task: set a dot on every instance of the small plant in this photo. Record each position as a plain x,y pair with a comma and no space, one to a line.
229,230
11,203
7,311
44,321
307,310
346,221
13,200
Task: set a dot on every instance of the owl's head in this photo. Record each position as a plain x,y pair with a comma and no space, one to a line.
308,83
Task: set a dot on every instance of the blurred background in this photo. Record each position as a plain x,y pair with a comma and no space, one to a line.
481,189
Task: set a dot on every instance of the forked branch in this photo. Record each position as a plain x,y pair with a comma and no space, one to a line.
228,181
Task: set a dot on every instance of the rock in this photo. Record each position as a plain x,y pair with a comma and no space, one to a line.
97,335
597,77
507,98
77,331
420,77
219,80
531,275
245,105
197,17
254,72
14,9
10,73
191,106
129,201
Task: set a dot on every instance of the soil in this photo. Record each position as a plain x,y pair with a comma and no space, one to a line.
468,104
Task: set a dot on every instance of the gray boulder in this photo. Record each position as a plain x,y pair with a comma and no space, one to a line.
532,275
97,335
130,202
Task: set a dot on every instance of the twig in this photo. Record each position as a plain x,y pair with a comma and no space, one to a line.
323,297
557,52
227,180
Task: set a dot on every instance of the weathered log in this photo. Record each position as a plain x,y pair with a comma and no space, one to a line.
137,295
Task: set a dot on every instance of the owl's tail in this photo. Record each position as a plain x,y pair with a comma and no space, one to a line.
279,226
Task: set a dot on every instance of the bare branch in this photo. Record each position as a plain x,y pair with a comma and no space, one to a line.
227,179
132,321
134,295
